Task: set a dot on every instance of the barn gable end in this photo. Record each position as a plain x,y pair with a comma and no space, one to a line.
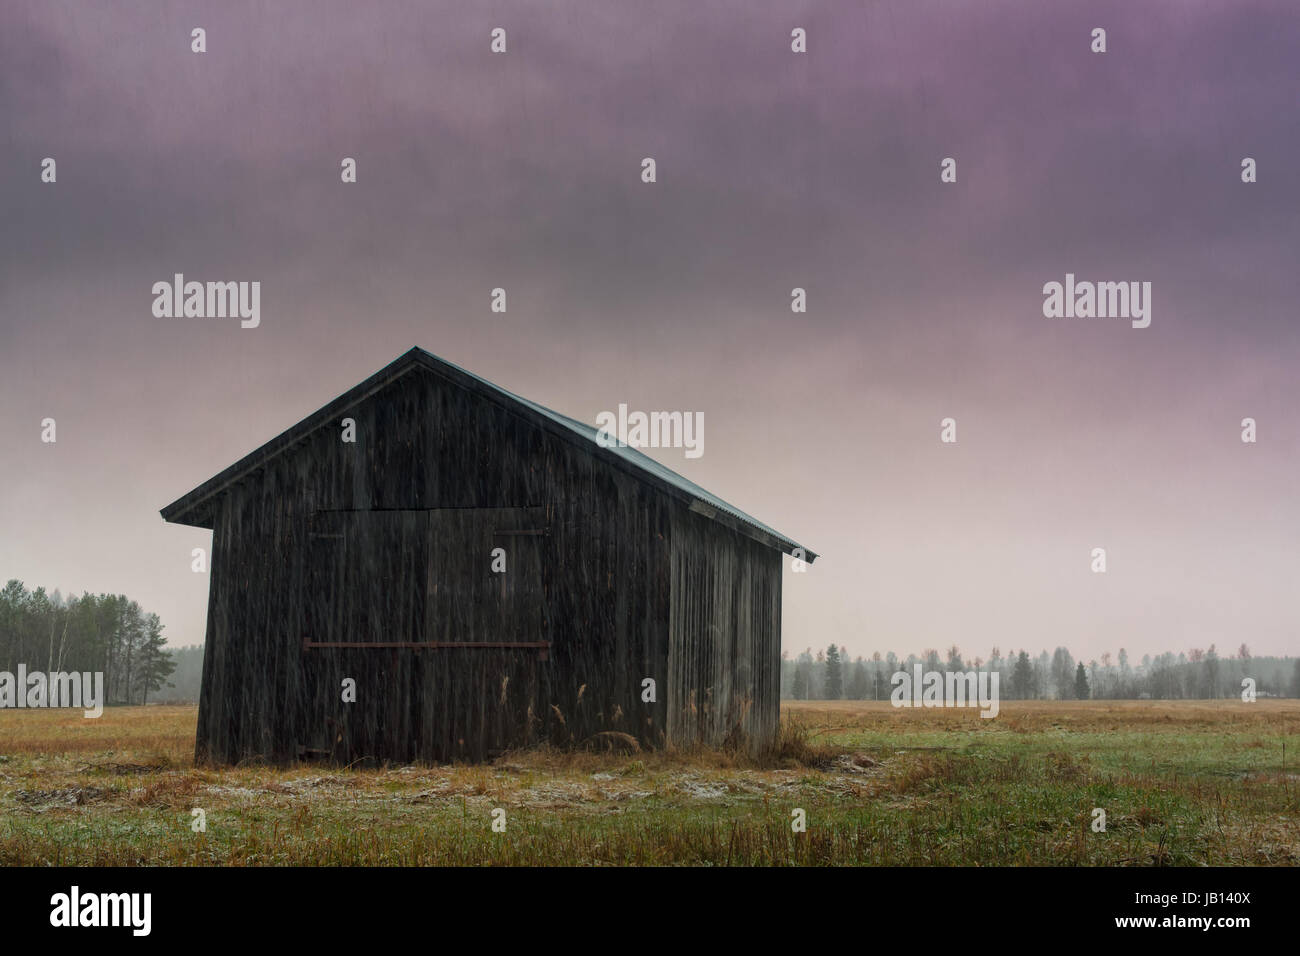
372,562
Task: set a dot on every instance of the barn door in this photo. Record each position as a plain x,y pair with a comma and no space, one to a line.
487,576
365,598
441,619
366,576
486,613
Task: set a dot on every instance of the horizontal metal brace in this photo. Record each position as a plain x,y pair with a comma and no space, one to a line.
543,646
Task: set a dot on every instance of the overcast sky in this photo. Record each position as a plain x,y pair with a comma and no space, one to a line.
775,170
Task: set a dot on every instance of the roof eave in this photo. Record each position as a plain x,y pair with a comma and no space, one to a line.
185,510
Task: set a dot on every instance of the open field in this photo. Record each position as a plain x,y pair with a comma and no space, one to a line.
1182,783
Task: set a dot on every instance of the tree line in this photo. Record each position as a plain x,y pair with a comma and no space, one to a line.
1194,674
106,633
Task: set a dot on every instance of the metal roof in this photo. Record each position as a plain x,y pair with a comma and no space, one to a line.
191,508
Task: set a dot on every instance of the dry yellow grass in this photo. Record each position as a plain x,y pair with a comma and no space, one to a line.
162,730
1183,782
1281,715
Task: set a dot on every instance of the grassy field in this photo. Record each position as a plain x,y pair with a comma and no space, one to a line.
1182,783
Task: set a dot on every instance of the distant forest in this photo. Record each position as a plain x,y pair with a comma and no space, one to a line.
1195,674
95,632
113,634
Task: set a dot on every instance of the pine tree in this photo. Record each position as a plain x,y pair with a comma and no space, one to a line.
803,675
834,674
799,688
1081,690
156,663
1022,678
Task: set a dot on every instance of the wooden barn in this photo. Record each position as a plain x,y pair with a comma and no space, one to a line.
366,544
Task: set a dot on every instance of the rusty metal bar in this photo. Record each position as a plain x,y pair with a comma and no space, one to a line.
542,646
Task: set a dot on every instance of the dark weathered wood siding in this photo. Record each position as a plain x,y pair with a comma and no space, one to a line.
389,539
724,652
